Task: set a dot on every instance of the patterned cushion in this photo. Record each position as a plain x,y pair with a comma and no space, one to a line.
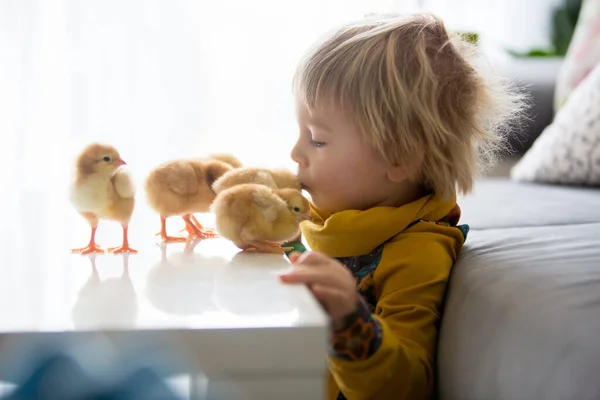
568,151
583,54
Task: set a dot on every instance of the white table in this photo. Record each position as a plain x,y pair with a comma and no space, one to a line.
221,313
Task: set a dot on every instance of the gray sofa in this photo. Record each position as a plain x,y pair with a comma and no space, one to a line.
522,312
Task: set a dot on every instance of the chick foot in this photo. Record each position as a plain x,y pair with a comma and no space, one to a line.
171,239
196,230
166,238
274,244
89,249
206,231
92,247
267,247
124,248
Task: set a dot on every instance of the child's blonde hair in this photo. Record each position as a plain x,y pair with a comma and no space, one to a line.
415,95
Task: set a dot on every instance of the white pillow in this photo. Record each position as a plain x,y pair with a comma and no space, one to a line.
568,151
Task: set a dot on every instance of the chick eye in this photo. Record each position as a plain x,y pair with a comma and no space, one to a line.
296,209
107,159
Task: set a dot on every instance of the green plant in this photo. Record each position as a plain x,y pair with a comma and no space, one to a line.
564,20
470,37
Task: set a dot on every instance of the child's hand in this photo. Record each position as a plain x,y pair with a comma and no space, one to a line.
329,280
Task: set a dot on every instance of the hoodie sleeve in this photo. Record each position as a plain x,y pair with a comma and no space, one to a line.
389,353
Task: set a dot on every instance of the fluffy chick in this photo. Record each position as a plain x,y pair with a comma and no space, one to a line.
273,178
102,190
256,217
182,188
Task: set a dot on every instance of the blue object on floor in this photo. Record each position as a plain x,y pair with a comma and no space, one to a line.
60,377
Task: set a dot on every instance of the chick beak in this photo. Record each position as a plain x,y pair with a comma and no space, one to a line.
120,162
306,218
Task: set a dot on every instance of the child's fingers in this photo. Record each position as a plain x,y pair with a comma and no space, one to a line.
310,276
323,294
327,293
312,258
334,300
298,275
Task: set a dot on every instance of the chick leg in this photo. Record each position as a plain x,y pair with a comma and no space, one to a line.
124,248
193,226
198,232
203,229
266,247
92,247
163,233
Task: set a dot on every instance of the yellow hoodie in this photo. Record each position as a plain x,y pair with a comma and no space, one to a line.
401,259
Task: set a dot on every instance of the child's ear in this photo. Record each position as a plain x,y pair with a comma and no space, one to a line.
396,174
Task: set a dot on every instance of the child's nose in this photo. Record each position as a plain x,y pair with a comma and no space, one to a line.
297,155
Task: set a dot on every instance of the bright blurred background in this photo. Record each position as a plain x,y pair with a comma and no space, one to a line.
165,79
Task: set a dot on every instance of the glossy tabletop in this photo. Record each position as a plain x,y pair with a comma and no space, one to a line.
203,298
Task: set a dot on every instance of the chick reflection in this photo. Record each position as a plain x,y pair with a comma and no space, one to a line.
249,285
182,283
108,303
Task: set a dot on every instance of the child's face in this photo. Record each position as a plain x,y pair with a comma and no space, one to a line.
335,165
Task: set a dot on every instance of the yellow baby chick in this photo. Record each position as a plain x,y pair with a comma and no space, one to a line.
182,188
102,190
273,178
257,217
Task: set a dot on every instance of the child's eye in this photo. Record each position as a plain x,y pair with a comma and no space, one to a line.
316,144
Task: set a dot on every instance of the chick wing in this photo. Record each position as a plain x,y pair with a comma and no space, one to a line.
123,184
180,177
